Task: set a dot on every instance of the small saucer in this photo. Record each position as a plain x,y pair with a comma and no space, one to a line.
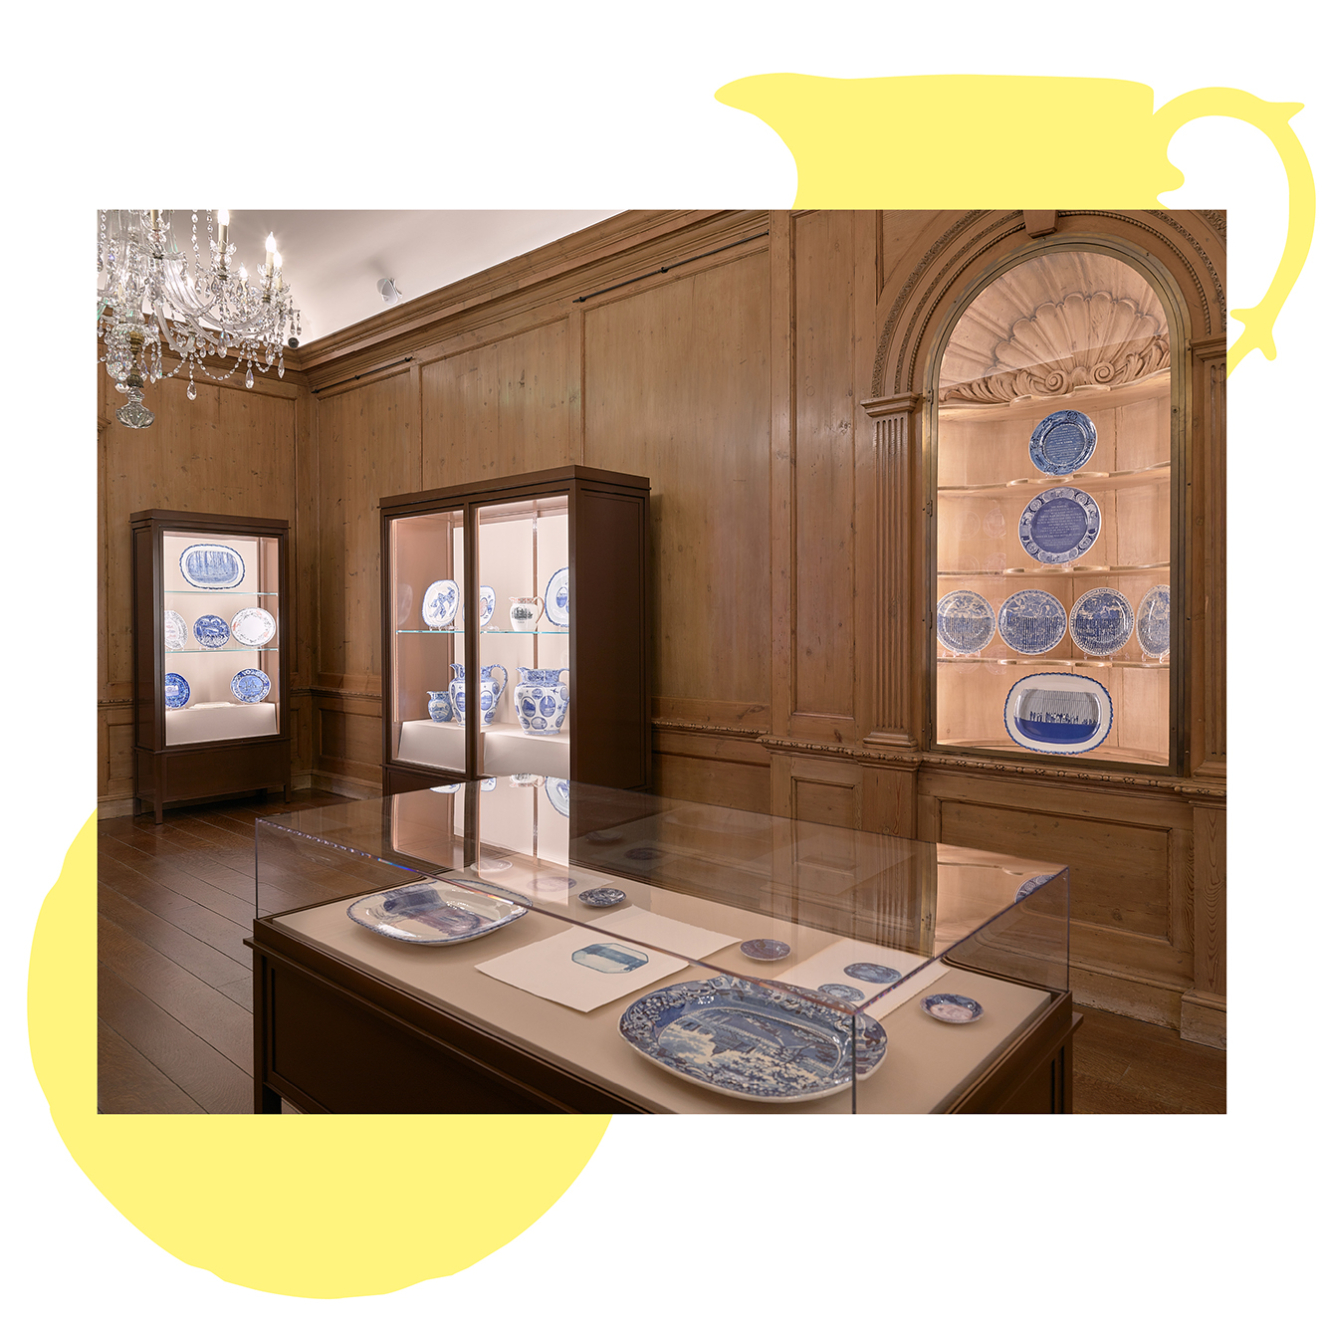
645,853
602,837
602,896
842,992
952,1008
765,949
492,866
873,974
558,884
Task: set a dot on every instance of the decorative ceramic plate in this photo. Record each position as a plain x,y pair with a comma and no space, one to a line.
610,958
250,685
1063,442
873,974
602,896
1060,525
645,853
1032,621
556,597
211,632
1032,885
752,1042
765,949
842,992
966,623
176,631
486,603
558,792
1055,712
211,565
1101,622
434,913
1153,621
253,627
440,603
176,690
952,1008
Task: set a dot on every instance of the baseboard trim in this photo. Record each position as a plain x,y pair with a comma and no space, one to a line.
1204,1019
108,808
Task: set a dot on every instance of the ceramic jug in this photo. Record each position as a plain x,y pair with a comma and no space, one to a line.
524,613
439,705
541,700
489,690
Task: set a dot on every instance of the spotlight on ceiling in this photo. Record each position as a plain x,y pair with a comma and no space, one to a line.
389,291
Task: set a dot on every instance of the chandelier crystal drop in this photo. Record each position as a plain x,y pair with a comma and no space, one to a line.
154,297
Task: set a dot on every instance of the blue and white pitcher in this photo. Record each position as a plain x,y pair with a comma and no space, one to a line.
489,690
439,705
541,700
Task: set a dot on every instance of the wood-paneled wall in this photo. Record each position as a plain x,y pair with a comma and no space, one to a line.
767,372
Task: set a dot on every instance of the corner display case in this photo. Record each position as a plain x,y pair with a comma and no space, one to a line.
1053,462
211,697
515,630
529,944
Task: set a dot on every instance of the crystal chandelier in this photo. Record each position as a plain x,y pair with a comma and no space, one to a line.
151,296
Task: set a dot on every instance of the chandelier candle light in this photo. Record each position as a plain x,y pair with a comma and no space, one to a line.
151,296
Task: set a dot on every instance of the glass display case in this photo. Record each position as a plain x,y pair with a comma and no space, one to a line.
1054,517
209,633
515,629
525,943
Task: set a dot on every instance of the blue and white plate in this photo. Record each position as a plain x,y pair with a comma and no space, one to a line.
602,896
1060,525
433,913
211,565
556,598
1032,885
952,1008
872,973
253,627
211,632
1032,621
440,603
486,603
966,623
610,958
765,949
1063,442
176,631
558,792
250,685
752,1042
1054,712
842,992
1101,622
176,690
1154,621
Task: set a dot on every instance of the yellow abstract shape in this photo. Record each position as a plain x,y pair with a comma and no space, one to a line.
947,141
303,1206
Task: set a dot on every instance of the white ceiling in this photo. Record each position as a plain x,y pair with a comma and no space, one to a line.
334,259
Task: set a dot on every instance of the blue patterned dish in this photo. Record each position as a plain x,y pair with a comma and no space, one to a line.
602,896
965,621
486,603
433,913
558,792
1060,525
610,958
952,1008
752,1042
211,565
440,603
556,598
1101,622
176,631
765,949
176,690
873,974
1055,712
1153,621
1032,885
843,992
250,685
211,631
1063,442
1032,621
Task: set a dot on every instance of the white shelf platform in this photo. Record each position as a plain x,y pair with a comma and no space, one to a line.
505,748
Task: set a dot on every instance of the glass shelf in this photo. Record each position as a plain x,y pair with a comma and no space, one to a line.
1045,661
559,633
1094,479
1056,571
258,648
218,592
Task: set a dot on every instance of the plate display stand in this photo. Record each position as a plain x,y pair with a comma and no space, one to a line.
557,689
208,610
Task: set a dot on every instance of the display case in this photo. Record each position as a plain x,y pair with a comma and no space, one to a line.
211,696
1054,591
515,630
522,943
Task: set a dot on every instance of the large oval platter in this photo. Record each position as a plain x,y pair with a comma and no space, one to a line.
1154,621
1059,525
440,603
434,913
1101,622
1058,713
1032,621
772,1045
211,565
1063,442
965,621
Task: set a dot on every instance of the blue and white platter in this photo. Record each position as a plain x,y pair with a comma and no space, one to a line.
176,690
1032,621
1032,885
952,1008
1101,622
176,631
842,992
250,685
872,973
1059,525
966,623
1153,621
486,603
211,565
610,958
211,632
558,792
1063,442
1054,712
433,913
253,627
556,598
752,1042
765,949
602,896
440,603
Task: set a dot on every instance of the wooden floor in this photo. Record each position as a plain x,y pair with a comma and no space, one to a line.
175,989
